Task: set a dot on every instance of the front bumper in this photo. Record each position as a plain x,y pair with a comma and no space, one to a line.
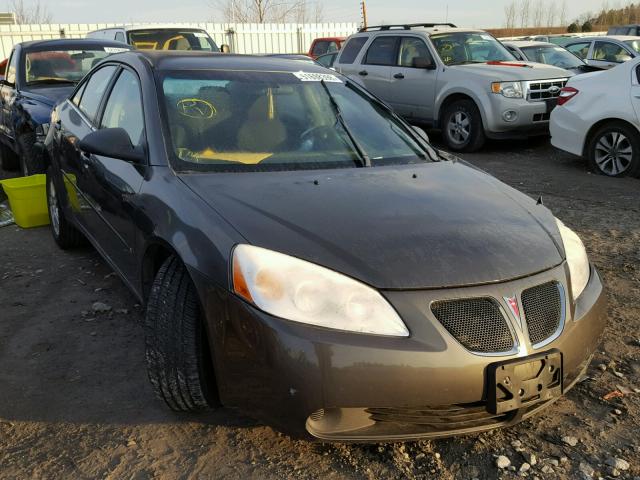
349,387
532,117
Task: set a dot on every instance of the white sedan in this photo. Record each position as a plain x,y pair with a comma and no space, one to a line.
597,117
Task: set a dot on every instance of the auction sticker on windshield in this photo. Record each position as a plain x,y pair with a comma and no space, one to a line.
115,49
317,77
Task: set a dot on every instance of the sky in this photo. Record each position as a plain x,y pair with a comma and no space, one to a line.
468,13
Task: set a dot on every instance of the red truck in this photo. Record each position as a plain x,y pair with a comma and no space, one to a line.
323,45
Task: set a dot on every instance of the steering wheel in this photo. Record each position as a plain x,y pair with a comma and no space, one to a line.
314,135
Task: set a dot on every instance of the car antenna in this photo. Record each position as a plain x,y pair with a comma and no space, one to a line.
540,202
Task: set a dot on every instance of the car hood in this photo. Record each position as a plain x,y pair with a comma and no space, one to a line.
48,95
508,71
451,225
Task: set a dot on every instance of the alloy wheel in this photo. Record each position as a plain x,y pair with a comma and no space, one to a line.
613,153
459,127
54,211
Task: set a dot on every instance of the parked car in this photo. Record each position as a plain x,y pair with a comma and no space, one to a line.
600,126
605,52
629,30
550,54
292,56
38,75
328,59
159,37
307,257
321,46
464,82
555,39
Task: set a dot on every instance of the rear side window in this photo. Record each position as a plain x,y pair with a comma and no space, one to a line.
352,49
382,51
94,90
119,37
581,50
10,74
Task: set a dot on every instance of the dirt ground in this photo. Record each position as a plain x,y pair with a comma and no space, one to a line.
75,401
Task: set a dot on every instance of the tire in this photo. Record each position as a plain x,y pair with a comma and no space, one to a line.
462,127
614,150
31,160
8,159
177,353
64,233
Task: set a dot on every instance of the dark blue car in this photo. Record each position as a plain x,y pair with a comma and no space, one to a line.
38,75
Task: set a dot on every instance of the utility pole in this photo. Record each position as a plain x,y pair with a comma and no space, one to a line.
363,10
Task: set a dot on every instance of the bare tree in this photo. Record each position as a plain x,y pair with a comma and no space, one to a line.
538,13
510,15
524,10
563,13
35,12
552,14
263,11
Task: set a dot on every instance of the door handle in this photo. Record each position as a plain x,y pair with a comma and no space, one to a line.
399,76
363,73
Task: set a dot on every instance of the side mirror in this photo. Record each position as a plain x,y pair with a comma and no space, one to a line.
424,63
224,48
111,142
421,133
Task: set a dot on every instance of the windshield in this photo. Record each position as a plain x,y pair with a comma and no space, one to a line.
255,121
172,39
556,56
635,44
469,47
63,66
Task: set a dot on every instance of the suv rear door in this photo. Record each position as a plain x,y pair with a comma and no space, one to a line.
375,71
412,89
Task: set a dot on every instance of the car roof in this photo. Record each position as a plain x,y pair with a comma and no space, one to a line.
529,43
150,26
189,60
619,38
427,30
70,43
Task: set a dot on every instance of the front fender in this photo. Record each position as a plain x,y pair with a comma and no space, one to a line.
480,98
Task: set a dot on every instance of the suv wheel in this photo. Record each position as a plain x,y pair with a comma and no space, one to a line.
614,150
177,352
462,126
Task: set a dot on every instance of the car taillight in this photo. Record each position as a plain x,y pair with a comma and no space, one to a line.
566,94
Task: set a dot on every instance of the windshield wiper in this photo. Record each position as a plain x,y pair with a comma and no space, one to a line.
364,158
51,80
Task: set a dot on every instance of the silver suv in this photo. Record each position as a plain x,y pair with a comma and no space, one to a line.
464,82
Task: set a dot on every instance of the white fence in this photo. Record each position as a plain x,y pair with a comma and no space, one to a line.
241,37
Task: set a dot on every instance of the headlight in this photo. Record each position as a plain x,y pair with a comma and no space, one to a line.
41,131
507,89
576,259
301,291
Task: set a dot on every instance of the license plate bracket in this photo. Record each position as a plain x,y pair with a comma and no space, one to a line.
524,381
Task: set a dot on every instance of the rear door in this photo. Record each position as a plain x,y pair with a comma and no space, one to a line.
375,71
77,118
412,90
608,54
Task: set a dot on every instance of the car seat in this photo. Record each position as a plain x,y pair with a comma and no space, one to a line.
262,131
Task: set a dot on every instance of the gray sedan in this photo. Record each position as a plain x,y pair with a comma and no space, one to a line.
606,51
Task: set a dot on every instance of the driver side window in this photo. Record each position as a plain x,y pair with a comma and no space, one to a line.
412,48
124,108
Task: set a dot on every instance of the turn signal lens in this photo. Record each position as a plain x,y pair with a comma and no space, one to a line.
566,94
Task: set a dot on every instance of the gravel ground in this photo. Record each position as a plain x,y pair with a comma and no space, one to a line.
75,401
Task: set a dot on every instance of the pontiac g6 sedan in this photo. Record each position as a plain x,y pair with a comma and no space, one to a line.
308,257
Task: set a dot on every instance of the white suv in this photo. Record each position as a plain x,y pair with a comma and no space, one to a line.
464,82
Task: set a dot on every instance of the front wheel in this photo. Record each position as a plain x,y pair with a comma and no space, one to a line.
462,126
614,150
177,352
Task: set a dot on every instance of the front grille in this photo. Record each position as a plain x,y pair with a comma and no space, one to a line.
543,311
477,323
538,90
447,418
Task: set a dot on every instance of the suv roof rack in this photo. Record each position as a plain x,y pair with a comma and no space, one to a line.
406,26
